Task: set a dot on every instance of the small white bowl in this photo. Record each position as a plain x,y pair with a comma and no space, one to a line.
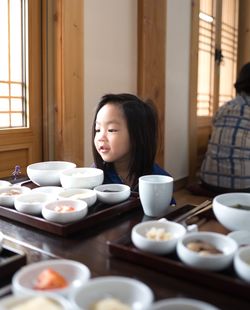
76,274
50,212
112,193
215,262
85,194
228,215
242,237
242,263
52,190
47,173
4,183
35,302
131,292
9,193
182,303
157,228
81,177
32,203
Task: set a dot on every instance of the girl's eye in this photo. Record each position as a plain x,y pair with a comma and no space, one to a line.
97,130
112,130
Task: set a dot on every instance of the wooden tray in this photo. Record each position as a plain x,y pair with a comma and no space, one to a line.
226,280
96,214
10,261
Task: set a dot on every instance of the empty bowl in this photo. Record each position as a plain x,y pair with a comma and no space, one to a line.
206,250
113,292
37,278
232,210
112,193
82,177
9,193
242,263
65,211
182,303
156,236
32,203
47,173
87,195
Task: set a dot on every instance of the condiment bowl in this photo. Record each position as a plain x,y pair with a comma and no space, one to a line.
232,210
158,237
113,289
24,281
47,173
52,190
112,193
65,211
8,194
81,177
206,250
37,302
182,303
87,195
242,263
32,203
4,183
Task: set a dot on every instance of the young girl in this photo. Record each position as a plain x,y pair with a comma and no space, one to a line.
125,135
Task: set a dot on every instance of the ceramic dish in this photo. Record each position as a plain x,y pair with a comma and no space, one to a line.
25,281
242,263
9,193
182,304
87,195
65,211
4,183
242,237
112,193
206,250
113,290
158,237
52,190
47,173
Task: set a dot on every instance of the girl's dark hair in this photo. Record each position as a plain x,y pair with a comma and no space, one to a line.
142,122
243,81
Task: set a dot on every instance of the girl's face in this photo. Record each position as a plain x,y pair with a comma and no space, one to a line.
112,138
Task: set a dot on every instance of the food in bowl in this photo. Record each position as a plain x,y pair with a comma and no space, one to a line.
231,210
110,303
87,195
112,193
65,211
47,173
209,261
158,237
203,248
50,279
8,194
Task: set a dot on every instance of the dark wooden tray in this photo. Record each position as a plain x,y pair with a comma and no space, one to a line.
10,261
96,214
226,280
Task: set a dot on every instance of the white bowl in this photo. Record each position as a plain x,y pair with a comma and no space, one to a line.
4,183
181,304
47,173
242,237
35,302
52,190
242,263
82,177
230,217
75,273
32,203
112,193
215,262
156,229
131,292
50,212
9,193
85,194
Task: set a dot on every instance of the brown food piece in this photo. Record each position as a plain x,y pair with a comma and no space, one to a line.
50,279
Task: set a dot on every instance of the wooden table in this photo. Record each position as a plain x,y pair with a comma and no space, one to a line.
90,247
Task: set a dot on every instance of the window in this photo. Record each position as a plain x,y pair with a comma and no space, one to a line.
13,64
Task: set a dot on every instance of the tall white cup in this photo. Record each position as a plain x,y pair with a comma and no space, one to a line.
155,192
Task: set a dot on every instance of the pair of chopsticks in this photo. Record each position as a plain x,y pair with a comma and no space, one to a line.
206,205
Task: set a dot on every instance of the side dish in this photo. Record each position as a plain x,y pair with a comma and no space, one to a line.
159,234
110,304
38,303
50,279
203,248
